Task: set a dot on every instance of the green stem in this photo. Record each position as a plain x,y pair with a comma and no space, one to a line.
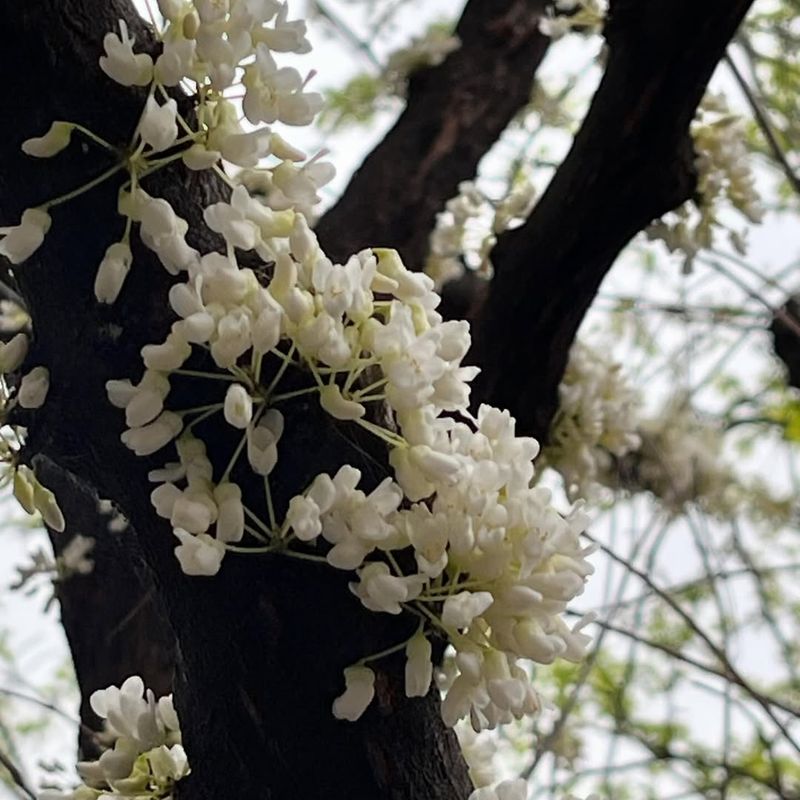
258,521
196,373
270,506
290,395
305,556
95,138
287,360
387,652
64,198
199,409
202,417
382,433
234,458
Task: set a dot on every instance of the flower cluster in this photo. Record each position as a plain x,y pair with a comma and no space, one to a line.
144,759
724,177
490,564
495,564
681,461
467,230
596,421
26,392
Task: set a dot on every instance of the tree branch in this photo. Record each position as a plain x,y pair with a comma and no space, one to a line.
631,162
455,113
112,619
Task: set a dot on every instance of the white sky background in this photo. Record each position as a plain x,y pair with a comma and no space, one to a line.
37,639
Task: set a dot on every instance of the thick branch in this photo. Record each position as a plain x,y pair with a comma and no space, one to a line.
455,113
631,162
112,619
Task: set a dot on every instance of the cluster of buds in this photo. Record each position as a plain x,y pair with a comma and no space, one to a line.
596,422
467,230
144,758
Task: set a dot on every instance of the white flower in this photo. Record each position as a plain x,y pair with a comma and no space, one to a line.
193,511
163,499
22,241
112,272
233,338
242,149
34,387
13,352
436,467
238,407
145,401
148,439
24,483
163,231
168,763
54,141
175,62
303,517
168,356
300,185
331,399
230,512
121,64
419,669
131,712
198,157
199,555
286,36
460,609
45,503
212,10
262,442
229,220
266,330
13,317
358,694
277,94
158,126
379,590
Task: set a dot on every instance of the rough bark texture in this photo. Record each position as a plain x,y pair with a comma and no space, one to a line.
631,162
455,113
112,617
260,648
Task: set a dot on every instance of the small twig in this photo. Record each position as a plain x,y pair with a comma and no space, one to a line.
764,124
16,776
49,707
729,671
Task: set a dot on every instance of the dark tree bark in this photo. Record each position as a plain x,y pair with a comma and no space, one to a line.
112,617
455,113
260,648
786,342
631,162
